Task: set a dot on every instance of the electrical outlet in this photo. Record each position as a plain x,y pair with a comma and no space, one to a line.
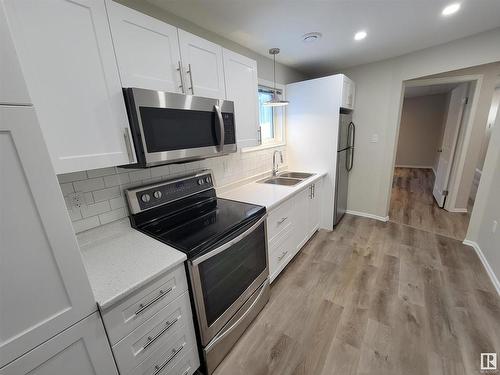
76,199
494,227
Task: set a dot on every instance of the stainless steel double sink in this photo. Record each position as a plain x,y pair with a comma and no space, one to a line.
286,178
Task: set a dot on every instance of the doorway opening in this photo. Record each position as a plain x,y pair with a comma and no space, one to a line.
436,125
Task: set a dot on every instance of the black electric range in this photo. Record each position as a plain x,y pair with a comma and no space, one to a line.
226,246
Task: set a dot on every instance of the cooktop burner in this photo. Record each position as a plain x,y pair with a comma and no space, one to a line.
187,214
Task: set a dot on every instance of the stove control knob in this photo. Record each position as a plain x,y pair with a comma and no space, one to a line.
157,194
145,198
200,181
208,180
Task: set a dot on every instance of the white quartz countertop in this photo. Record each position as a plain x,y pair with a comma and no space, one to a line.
120,260
268,195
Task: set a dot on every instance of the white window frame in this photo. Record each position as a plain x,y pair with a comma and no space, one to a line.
279,122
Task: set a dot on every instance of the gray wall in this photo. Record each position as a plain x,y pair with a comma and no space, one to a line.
284,74
420,132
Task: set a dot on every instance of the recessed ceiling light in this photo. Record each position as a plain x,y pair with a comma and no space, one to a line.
450,9
360,35
311,37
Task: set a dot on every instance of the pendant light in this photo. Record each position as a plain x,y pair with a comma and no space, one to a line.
275,101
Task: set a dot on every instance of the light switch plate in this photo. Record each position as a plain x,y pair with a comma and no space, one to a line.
494,227
374,138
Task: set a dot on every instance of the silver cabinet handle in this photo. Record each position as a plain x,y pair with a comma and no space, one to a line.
282,255
282,220
221,127
179,69
143,307
128,144
313,190
190,71
158,368
151,340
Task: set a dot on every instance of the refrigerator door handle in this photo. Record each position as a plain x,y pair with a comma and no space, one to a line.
351,134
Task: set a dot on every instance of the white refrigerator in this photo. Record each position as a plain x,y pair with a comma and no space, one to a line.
321,135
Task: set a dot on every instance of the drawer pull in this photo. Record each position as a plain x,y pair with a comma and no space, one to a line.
152,339
158,368
143,307
282,255
282,220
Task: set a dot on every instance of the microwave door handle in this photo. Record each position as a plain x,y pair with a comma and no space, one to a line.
227,245
221,127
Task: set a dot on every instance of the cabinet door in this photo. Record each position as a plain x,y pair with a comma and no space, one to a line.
67,56
240,74
12,86
348,90
202,61
314,209
302,217
43,284
82,349
147,50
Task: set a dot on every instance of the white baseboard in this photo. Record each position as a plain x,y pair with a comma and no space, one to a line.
370,216
413,166
486,265
458,210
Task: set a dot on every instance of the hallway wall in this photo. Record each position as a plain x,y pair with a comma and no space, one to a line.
421,130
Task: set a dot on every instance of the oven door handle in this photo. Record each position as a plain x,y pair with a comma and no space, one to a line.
221,136
227,245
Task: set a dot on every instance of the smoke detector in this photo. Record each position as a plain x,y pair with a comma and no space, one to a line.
311,37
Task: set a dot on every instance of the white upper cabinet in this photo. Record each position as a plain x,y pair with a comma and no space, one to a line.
43,284
241,87
348,93
147,50
12,86
82,349
202,61
67,57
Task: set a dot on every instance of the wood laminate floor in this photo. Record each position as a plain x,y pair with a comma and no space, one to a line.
412,204
374,298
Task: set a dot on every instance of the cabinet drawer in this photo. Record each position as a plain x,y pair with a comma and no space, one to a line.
123,318
279,218
176,360
165,329
280,249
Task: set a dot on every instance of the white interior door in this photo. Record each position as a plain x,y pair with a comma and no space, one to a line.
203,63
454,118
147,50
43,284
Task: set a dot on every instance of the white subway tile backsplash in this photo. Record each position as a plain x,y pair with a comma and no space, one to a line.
101,172
117,203
106,194
67,188
85,224
103,188
110,216
70,177
95,209
90,184
140,175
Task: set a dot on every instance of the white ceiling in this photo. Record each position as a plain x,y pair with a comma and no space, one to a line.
411,92
394,27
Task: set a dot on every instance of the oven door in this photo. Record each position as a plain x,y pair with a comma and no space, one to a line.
224,278
170,127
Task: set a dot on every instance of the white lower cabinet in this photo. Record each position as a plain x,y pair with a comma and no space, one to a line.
152,331
291,224
82,349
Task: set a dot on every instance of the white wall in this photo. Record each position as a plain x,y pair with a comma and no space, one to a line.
495,103
284,74
377,110
420,131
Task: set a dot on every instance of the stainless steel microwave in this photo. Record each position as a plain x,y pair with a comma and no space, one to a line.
171,128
